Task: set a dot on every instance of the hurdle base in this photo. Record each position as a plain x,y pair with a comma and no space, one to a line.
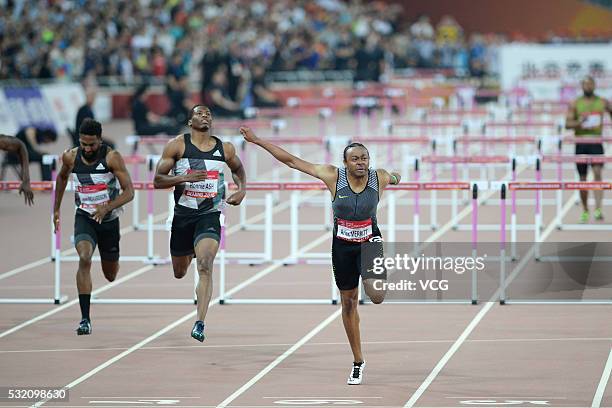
420,302
119,301
559,302
585,227
39,301
280,301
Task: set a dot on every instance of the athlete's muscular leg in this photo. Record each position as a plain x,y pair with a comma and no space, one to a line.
110,269
375,290
350,319
180,265
83,277
206,250
597,177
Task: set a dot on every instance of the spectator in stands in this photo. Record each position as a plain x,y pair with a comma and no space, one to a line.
85,112
369,60
448,35
147,123
218,99
263,97
177,89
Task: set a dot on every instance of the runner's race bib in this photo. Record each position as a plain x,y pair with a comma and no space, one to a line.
593,120
203,189
354,231
92,196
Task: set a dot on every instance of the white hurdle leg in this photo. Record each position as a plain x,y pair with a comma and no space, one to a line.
222,262
328,222
150,224
268,228
295,198
196,280
57,297
391,217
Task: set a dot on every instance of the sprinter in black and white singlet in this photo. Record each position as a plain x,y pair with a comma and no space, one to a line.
356,190
98,172
197,162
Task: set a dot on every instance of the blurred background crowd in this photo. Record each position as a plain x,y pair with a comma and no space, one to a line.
191,38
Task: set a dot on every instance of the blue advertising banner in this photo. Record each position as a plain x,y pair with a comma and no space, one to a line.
29,107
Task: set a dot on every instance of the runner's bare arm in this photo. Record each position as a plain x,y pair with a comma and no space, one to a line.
572,121
385,178
324,172
238,174
60,183
117,165
14,145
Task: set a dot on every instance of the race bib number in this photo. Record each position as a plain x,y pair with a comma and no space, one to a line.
354,231
593,120
93,195
203,189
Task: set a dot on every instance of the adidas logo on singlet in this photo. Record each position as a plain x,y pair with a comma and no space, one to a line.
100,167
217,153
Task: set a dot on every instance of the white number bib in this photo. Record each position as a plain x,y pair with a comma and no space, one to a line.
203,189
593,120
93,195
354,231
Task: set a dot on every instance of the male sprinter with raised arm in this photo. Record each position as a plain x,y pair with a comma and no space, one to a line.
13,145
586,117
95,169
197,160
356,191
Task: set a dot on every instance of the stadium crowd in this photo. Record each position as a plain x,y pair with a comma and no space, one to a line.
75,38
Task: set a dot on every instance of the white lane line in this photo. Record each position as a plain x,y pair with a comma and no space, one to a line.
605,377
59,308
462,338
183,319
281,358
311,344
317,397
449,354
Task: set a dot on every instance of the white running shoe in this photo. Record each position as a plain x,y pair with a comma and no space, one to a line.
356,374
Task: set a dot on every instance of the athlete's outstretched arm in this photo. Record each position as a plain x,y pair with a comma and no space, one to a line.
324,172
163,179
117,166
238,174
60,185
385,178
14,145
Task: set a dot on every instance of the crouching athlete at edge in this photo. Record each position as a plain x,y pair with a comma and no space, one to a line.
197,160
356,191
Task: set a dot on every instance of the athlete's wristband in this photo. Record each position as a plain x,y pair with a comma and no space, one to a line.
394,179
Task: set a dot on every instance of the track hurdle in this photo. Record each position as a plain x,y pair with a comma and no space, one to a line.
538,256
560,160
57,296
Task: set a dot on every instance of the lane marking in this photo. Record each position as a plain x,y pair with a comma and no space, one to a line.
471,326
75,301
605,377
281,358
